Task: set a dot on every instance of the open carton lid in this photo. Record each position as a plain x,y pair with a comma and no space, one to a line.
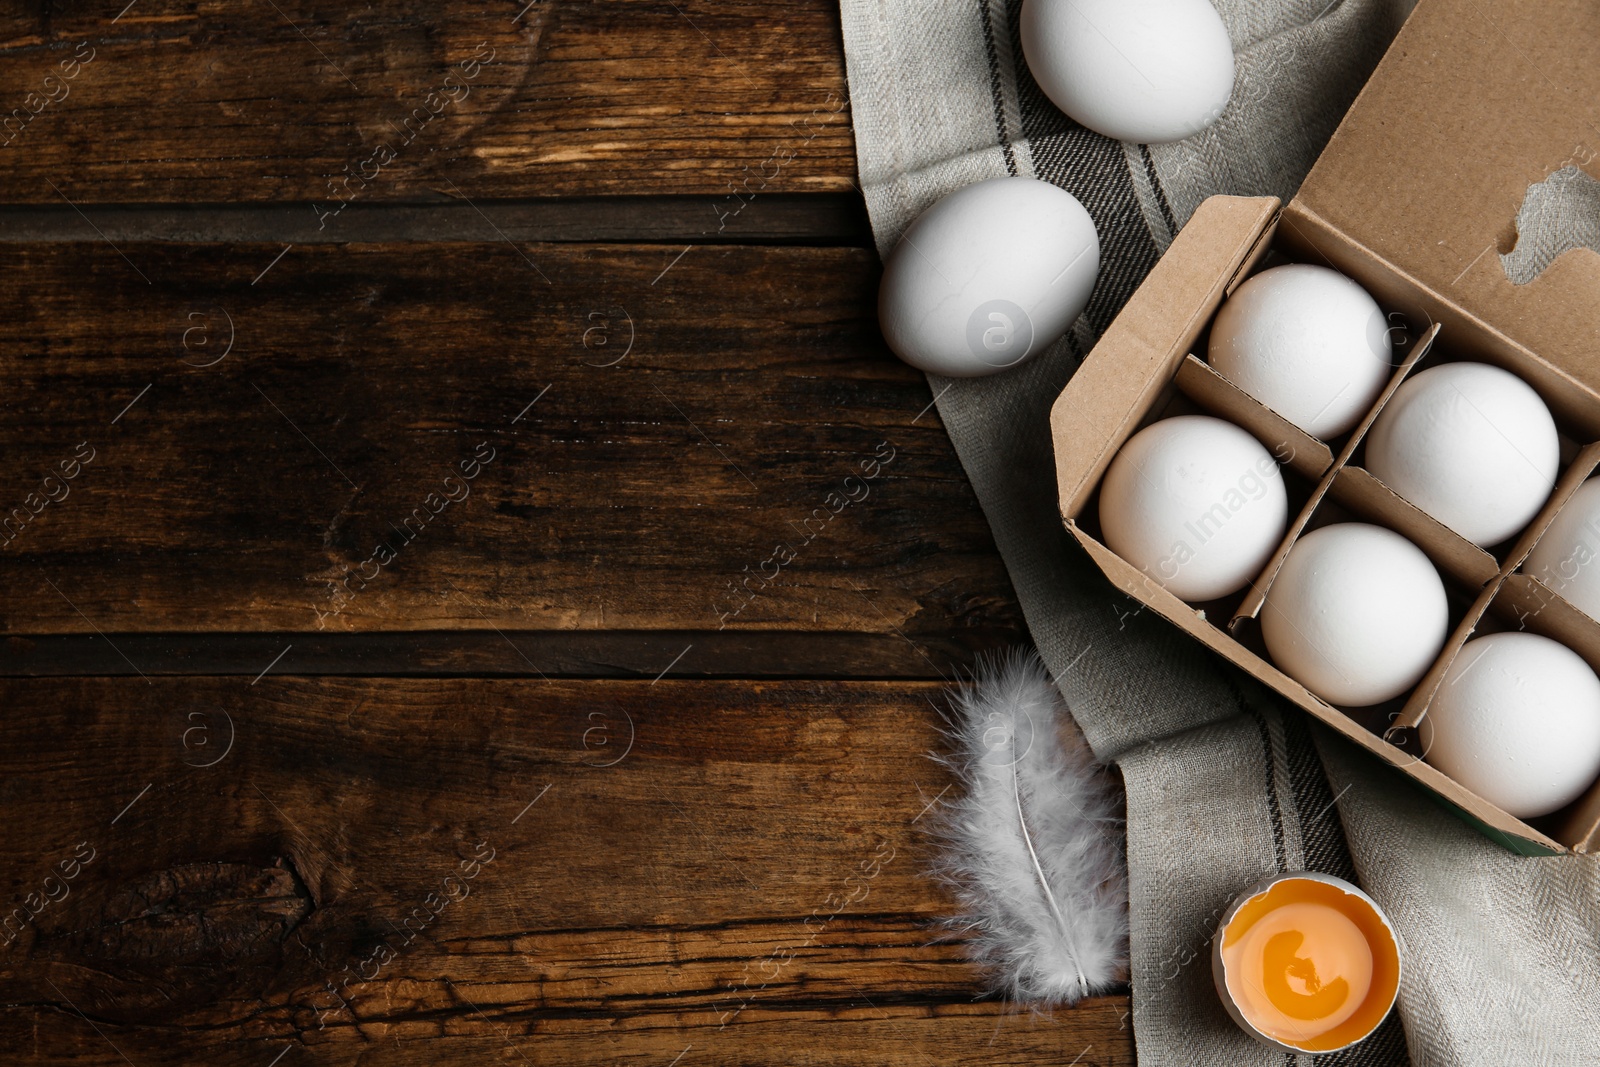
1475,101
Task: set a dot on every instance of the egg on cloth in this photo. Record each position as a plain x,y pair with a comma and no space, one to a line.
1196,503
1148,71
1308,343
987,277
1472,445
1517,721
1567,557
1356,614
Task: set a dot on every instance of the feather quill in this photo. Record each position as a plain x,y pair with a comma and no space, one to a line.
1033,849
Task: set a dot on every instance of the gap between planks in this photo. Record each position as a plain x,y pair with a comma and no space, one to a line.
566,654
828,219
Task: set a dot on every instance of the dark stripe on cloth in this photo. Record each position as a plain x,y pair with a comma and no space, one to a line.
1321,831
1231,681
997,87
1273,807
1155,186
1094,169
1322,838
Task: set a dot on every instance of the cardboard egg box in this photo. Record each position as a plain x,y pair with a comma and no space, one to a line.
1415,198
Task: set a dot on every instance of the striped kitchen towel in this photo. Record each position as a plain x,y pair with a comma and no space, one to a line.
1225,781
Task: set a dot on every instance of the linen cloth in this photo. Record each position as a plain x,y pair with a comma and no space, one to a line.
1225,781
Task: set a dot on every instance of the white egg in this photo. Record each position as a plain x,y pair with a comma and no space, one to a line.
1517,721
1196,503
990,275
1150,71
1357,614
1470,444
1308,343
1565,557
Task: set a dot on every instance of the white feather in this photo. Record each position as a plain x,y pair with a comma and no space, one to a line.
1034,847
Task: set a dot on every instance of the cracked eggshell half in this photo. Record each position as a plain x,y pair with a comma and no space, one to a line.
988,277
1306,962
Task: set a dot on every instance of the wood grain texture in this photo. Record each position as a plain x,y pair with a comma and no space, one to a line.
457,653
343,102
771,218
755,461
430,871
299,452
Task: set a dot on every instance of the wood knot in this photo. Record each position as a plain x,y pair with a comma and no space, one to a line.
175,940
202,913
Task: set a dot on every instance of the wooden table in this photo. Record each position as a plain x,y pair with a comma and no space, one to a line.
475,582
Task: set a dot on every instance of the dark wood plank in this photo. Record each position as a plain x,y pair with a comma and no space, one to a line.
179,101
522,871
658,486
731,653
787,218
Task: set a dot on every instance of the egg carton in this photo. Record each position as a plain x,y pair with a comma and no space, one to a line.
1416,198
1145,369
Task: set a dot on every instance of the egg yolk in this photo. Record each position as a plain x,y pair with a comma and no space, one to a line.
1310,965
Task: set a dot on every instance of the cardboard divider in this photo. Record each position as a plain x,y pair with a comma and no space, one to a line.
1577,472
1460,559
1288,443
1465,604
1518,602
1326,511
1578,824
1401,731
1259,251
1251,606
1525,603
